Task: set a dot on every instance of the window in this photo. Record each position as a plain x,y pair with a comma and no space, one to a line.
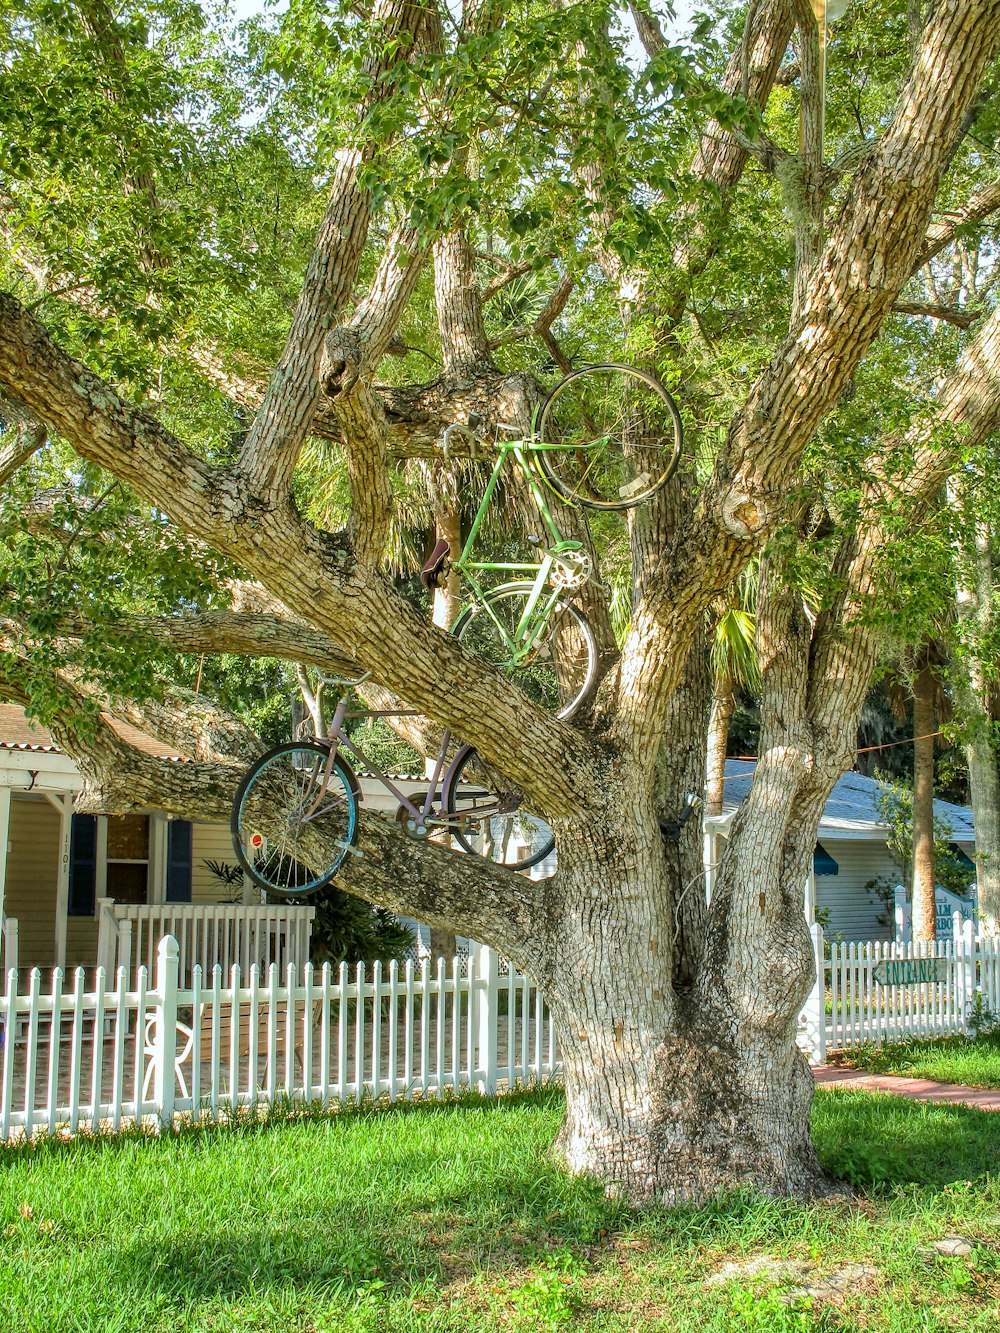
179,861
128,858
134,859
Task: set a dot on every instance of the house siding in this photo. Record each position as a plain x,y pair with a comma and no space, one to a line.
32,876
81,941
209,842
854,910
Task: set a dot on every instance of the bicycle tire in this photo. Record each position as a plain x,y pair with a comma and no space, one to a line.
279,831
563,670
509,837
611,437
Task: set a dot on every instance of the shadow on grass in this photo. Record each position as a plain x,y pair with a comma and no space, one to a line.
256,1218
880,1141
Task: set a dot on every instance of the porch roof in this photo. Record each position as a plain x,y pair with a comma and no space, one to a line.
19,732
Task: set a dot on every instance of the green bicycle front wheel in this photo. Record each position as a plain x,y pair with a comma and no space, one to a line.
559,670
608,437
294,818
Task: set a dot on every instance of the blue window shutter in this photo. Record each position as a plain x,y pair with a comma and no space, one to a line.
179,861
83,865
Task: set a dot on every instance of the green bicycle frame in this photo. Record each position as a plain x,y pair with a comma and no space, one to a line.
540,602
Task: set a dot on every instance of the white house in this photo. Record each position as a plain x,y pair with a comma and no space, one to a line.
851,850
58,865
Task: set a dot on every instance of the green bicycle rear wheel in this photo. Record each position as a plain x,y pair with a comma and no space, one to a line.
608,437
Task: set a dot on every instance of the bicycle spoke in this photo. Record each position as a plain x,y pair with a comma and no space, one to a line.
492,825
559,670
294,819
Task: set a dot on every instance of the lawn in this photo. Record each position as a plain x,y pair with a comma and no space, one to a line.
946,1060
452,1217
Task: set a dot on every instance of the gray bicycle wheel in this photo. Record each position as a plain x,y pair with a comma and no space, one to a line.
294,818
560,671
493,825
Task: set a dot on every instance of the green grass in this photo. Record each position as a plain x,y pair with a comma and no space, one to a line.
946,1060
453,1217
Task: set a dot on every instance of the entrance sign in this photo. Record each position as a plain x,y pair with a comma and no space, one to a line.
911,971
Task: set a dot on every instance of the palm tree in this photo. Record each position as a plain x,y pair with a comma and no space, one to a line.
917,687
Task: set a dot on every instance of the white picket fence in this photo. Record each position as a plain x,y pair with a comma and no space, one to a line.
128,1050
75,1060
850,1005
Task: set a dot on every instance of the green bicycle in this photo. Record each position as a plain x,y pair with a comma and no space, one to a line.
607,437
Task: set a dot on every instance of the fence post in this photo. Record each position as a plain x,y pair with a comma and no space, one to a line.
107,935
965,957
125,948
9,945
814,1013
901,915
165,1045
488,972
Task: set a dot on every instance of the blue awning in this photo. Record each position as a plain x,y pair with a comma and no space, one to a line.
961,857
823,862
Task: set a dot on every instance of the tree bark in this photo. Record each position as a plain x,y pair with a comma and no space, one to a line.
924,923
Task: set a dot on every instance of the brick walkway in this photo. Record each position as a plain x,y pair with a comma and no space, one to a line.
921,1089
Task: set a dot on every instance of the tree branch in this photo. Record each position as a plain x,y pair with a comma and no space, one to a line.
944,229
852,288
419,879
282,424
316,574
963,319
459,302
21,437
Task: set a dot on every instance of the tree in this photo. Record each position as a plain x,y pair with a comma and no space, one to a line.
525,131
975,684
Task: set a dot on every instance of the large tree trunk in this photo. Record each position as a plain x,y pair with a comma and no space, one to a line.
923,804
675,1093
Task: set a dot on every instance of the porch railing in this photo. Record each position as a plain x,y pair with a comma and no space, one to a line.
227,935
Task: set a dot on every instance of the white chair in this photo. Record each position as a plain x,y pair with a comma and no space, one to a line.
185,1041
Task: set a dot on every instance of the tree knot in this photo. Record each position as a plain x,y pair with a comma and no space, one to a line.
341,362
743,516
